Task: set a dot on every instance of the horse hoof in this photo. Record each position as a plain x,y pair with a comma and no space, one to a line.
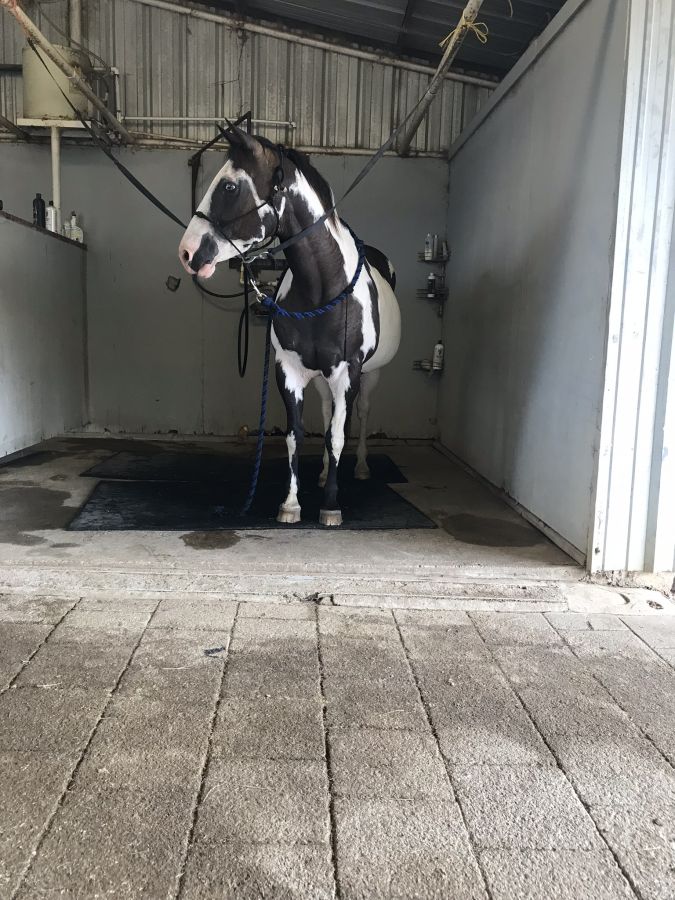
330,517
288,516
362,473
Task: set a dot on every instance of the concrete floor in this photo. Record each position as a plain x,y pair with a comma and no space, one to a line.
482,548
190,747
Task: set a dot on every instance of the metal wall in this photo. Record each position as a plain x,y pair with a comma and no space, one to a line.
42,375
530,273
175,65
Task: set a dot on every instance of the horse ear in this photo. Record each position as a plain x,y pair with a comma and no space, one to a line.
239,138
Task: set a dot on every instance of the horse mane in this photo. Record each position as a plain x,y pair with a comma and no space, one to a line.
301,161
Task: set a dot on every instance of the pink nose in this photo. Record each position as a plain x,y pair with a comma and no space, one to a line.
186,250
198,255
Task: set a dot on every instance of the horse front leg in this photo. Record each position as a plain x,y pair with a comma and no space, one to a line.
344,385
289,511
324,392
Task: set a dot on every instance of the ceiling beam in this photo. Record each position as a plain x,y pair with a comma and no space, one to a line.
405,21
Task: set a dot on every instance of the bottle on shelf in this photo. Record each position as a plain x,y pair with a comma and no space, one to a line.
429,247
73,230
437,359
39,215
431,286
52,223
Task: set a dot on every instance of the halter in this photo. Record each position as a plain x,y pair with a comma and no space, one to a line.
277,181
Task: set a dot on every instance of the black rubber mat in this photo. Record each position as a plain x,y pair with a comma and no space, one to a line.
199,506
182,465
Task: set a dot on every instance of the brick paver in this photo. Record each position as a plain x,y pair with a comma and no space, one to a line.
188,748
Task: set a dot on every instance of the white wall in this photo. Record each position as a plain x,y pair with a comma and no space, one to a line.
42,372
634,522
162,361
532,212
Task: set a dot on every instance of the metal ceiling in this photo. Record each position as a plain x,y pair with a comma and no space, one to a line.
412,28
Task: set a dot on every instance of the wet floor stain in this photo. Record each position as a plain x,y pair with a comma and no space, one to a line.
489,532
210,540
26,509
39,458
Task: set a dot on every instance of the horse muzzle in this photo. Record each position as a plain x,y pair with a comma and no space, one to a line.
198,255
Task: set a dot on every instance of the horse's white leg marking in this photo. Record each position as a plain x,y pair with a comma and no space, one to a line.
327,411
292,378
339,385
368,382
289,511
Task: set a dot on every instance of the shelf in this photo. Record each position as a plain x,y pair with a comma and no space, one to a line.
51,234
440,295
438,261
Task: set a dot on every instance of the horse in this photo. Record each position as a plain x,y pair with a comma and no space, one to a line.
266,191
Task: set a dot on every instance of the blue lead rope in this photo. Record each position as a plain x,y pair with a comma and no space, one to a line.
273,309
261,426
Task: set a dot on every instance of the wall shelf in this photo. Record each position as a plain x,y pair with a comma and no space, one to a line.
437,260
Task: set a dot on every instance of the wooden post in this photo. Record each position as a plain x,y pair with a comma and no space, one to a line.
465,24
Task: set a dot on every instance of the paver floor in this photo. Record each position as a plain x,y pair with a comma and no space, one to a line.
161,749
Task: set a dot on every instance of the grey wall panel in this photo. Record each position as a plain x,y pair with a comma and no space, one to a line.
532,215
41,338
174,66
160,360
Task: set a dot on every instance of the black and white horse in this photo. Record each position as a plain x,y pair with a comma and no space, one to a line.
252,199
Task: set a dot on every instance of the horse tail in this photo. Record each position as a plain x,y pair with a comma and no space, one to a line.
379,261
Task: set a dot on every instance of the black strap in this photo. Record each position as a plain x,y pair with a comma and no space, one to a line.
106,149
375,158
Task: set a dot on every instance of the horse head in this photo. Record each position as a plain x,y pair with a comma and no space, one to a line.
238,210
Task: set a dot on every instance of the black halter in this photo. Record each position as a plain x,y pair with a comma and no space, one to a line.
277,181
244,319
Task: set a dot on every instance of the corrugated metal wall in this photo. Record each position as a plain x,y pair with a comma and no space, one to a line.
172,65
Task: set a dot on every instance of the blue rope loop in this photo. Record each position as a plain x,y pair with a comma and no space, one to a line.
261,426
269,303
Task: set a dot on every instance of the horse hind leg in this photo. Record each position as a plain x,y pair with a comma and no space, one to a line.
368,382
324,392
289,511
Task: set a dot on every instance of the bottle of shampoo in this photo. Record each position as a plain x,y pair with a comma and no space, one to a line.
431,286
51,217
437,360
429,247
39,211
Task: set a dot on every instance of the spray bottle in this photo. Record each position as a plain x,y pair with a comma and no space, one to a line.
74,232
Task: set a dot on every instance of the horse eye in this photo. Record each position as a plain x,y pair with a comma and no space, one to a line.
230,186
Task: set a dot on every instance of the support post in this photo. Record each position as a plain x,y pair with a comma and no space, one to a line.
465,23
34,33
75,22
56,174
634,514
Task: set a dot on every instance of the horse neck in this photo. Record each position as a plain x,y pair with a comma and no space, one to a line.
319,259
